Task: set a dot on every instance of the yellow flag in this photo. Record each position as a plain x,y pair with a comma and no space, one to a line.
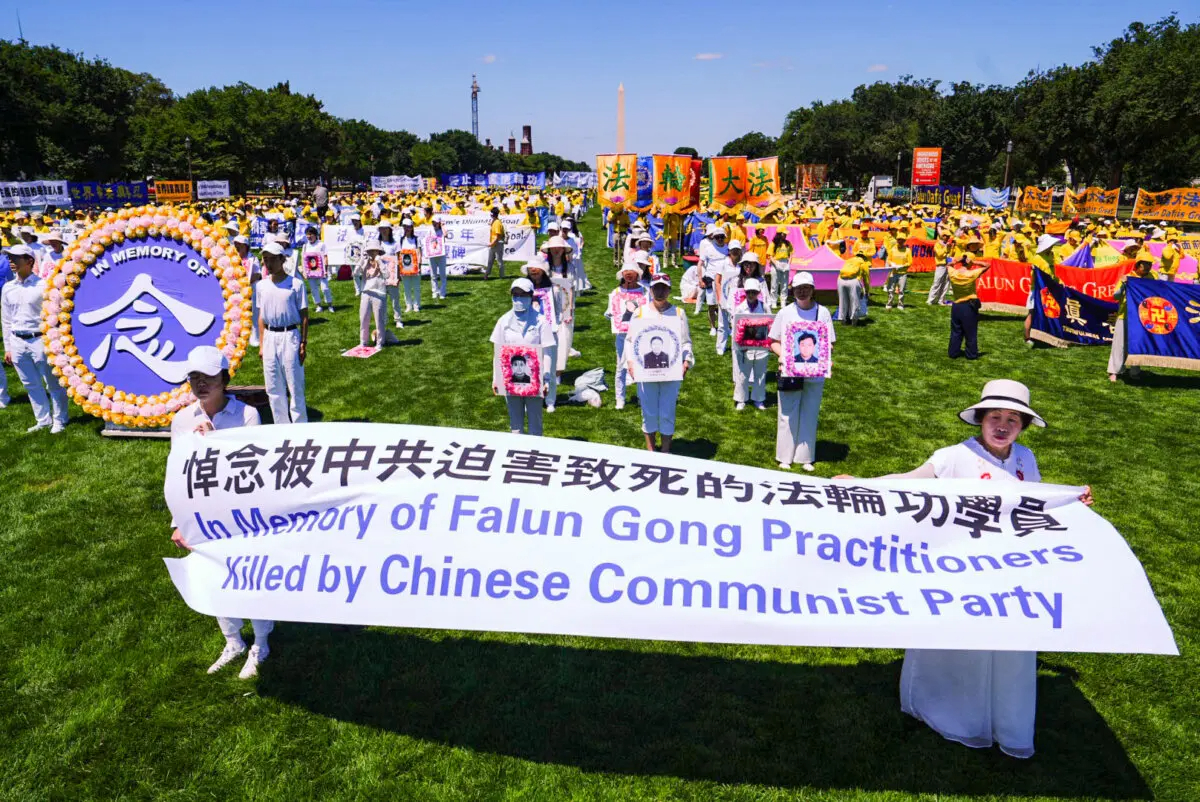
1071,203
726,182
762,185
616,180
671,183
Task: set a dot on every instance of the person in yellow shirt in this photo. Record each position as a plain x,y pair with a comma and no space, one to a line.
940,289
779,257
758,245
865,246
853,280
1170,257
899,260
672,231
496,241
1143,267
964,312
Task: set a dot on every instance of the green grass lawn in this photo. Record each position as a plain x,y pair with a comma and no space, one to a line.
103,693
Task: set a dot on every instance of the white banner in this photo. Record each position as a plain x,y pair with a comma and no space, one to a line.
466,239
14,194
414,526
211,190
397,183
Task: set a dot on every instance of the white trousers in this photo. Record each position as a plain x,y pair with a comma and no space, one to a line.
974,697
724,329
36,374
393,294
412,290
779,287
549,372
1116,355
358,283
941,285
849,299
581,280
750,375
622,380
566,336
284,375
370,308
254,313
796,423
522,410
231,628
437,273
319,287
658,406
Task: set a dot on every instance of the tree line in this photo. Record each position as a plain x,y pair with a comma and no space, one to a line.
1130,116
68,117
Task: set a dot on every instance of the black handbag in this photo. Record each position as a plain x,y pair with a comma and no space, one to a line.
787,384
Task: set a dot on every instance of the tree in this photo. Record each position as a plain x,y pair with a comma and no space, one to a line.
754,145
695,154
434,158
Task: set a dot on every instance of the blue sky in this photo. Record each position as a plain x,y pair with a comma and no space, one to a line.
698,73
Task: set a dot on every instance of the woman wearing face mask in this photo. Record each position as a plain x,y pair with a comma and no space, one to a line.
750,364
799,399
524,326
659,398
980,697
628,276
559,263
538,273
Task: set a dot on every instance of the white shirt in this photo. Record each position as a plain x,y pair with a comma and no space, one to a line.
712,258
970,460
649,310
21,308
791,313
511,330
233,415
280,304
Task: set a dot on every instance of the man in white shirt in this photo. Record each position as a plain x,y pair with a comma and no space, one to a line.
283,332
21,321
208,376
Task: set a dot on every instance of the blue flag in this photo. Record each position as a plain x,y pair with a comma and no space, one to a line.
1162,324
1063,316
645,184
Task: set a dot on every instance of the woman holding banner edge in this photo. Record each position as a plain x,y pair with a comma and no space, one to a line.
977,697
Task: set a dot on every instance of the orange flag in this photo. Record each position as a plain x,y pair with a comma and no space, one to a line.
762,185
671,183
726,182
616,180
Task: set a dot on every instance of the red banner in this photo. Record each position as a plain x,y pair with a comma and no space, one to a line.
1005,287
1098,282
927,167
923,259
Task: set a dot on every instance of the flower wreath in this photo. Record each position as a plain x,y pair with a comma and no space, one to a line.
103,400
532,360
750,322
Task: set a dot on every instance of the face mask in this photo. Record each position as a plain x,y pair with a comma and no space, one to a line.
520,305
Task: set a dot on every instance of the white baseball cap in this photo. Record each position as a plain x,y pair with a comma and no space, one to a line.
207,359
241,239
522,284
752,285
802,278
735,243
273,248
19,250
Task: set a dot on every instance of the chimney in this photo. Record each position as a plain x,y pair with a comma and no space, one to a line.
512,144
488,142
527,140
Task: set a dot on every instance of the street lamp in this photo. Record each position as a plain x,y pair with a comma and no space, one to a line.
187,145
1007,161
899,153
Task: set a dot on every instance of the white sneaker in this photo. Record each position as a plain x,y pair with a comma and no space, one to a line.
808,466
739,406
399,324
549,407
760,405
231,652
574,353
37,427
257,655
785,466
712,332
620,403
4,401
57,428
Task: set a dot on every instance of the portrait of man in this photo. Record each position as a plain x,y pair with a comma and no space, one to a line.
656,358
757,332
520,370
806,348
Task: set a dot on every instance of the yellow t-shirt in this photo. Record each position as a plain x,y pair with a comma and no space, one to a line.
962,282
856,267
759,247
899,261
781,252
1169,261
496,232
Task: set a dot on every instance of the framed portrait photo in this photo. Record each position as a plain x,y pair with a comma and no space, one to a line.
624,305
543,302
750,330
806,351
314,265
410,262
390,267
654,349
517,370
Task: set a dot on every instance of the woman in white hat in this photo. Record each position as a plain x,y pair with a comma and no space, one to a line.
725,284
713,256
979,698
799,399
411,283
434,247
538,273
522,325
52,253
208,377
575,241
660,398
559,263
750,364
318,278
387,241
629,278
372,302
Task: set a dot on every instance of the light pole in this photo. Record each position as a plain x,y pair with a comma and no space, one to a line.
899,153
1007,160
187,145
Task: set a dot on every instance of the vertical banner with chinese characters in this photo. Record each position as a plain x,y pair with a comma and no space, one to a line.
671,183
1162,324
1071,203
1172,205
927,167
415,526
1063,316
726,182
173,191
762,186
616,177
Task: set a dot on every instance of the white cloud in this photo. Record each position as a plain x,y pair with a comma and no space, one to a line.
708,56
877,68
489,59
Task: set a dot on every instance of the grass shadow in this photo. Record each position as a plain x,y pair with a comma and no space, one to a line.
700,449
829,451
1161,380
417,341
697,718
416,321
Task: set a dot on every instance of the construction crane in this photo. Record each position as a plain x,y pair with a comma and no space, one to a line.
475,107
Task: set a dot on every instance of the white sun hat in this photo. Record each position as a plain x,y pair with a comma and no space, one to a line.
1003,394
